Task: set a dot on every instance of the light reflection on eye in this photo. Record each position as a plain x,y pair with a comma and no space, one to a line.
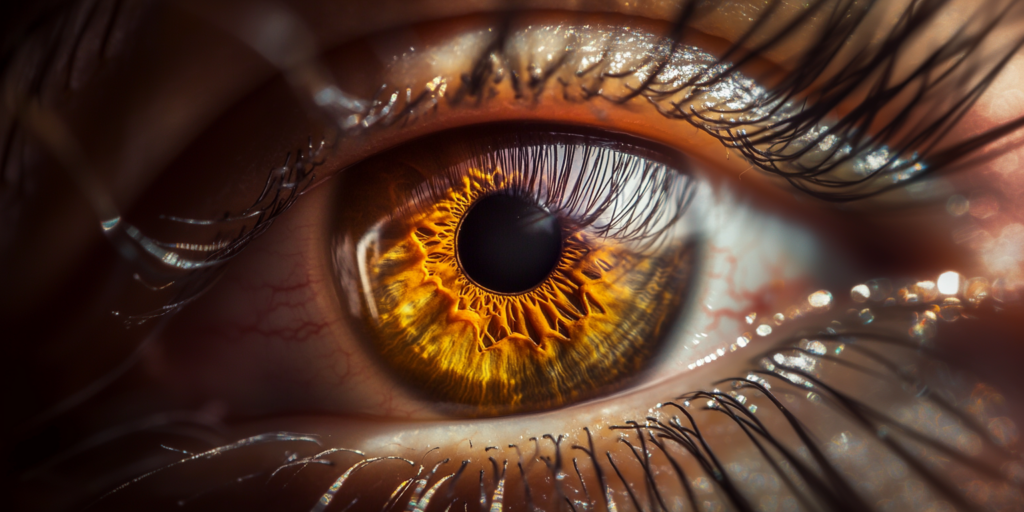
292,251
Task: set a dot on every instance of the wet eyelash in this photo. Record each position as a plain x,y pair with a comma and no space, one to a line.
793,137
796,111
283,187
787,130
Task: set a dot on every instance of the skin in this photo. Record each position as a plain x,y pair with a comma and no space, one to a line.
161,125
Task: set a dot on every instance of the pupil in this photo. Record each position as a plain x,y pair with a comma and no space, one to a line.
508,245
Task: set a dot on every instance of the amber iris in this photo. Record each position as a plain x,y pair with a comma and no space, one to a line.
483,289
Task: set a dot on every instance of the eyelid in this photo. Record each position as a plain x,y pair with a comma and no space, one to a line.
729,5
597,114
643,123
408,69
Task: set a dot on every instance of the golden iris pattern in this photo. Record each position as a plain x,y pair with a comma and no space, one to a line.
592,324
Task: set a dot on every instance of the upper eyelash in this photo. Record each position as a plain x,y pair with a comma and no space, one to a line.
794,116
953,56
784,129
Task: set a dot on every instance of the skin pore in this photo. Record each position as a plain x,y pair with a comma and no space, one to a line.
187,116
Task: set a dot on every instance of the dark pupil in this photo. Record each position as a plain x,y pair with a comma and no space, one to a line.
508,245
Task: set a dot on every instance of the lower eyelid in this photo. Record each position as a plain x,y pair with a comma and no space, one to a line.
489,445
413,441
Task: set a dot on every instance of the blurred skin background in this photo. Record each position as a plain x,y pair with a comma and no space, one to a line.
232,370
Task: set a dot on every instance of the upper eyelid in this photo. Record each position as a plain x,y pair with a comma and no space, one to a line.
289,59
380,115
325,94
388,105
311,79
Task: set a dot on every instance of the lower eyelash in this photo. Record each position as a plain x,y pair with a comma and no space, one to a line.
676,456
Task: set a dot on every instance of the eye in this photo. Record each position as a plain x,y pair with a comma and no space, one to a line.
518,271
653,257
652,265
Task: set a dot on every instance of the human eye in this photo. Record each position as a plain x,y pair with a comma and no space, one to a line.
249,333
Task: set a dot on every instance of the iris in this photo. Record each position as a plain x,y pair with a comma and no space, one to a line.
517,269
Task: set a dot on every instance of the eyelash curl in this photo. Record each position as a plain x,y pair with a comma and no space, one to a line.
788,131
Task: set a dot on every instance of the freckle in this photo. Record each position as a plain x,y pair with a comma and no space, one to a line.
1013,71
1018,206
1007,173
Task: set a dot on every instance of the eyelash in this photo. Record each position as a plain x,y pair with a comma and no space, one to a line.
284,186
